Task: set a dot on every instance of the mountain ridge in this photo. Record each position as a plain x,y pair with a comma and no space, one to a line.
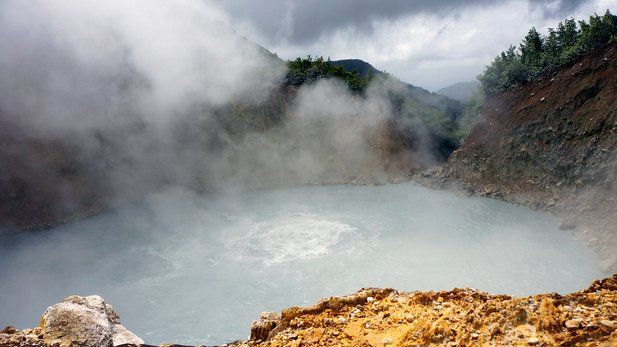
461,91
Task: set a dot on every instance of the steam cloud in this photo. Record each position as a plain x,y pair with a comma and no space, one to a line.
108,100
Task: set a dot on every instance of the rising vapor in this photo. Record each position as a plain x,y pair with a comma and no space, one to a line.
108,101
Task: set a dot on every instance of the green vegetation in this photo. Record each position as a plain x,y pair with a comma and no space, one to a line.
416,112
309,70
419,115
539,55
471,110
420,120
363,68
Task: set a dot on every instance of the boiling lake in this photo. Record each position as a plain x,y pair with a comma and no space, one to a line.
196,269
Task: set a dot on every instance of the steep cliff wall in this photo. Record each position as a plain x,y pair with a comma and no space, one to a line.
552,144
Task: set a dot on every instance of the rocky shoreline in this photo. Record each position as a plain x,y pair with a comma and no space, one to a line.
550,145
588,217
460,317
76,321
373,317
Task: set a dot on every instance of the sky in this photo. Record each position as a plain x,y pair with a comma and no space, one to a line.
428,43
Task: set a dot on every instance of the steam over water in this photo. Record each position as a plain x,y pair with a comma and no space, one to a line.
192,269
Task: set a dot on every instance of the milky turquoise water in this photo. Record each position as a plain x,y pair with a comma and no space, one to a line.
193,269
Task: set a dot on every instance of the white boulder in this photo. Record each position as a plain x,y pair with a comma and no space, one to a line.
85,321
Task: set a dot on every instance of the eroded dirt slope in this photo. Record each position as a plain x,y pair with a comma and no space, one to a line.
552,144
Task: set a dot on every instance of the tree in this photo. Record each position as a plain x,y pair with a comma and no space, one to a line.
538,55
505,72
600,30
309,70
468,117
531,50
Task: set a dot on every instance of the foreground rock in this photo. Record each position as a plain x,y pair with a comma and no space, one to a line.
76,321
373,317
460,317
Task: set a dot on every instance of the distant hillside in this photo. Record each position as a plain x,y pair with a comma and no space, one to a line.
421,132
362,67
442,102
461,91
421,121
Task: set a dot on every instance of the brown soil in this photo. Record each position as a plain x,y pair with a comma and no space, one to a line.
460,317
552,145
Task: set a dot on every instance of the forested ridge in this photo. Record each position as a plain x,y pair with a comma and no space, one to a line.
309,70
538,55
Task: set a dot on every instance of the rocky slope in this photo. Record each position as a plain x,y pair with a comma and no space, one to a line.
76,321
460,317
552,145
374,317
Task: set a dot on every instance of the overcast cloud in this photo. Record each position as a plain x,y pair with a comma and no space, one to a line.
427,43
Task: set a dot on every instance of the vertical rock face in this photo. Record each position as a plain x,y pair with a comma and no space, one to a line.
84,321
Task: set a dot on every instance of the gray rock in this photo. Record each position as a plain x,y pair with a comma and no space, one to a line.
568,224
84,321
123,336
261,329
